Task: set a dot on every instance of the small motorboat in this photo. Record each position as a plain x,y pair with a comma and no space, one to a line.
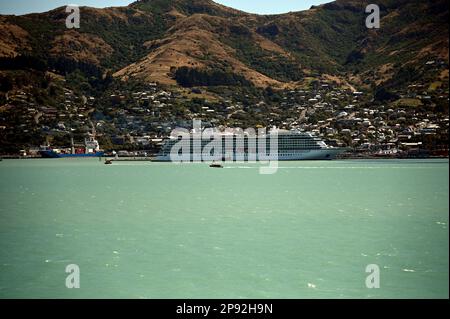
108,162
214,165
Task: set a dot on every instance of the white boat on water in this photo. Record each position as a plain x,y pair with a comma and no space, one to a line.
288,146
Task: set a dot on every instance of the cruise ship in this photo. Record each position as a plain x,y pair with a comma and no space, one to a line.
282,146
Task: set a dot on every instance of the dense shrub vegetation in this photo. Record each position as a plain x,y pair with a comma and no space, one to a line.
189,77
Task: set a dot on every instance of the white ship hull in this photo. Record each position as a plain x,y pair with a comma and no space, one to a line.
300,155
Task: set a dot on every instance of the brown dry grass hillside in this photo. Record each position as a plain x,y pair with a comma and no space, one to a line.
150,39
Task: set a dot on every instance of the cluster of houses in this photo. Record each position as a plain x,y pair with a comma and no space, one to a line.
141,119
350,118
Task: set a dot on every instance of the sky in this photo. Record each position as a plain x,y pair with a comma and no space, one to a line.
253,6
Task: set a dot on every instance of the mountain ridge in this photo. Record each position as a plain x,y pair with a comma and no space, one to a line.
148,39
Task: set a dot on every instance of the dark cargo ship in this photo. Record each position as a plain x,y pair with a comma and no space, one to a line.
92,149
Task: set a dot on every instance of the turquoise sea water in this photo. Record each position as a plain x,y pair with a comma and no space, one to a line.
162,230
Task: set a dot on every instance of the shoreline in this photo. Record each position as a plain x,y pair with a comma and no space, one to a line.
151,159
